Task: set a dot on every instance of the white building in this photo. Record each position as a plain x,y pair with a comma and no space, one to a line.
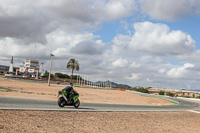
30,68
31,64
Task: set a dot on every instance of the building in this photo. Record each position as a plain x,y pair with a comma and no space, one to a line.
179,93
5,69
31,64
8,70
30,68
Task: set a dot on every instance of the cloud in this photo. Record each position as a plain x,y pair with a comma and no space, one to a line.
120,63
88,48
135,65
61,44
78,44
92,10
180,72
30,21
120,43
162,70
134,76
25,21
67,29
156,38
169,9
12,47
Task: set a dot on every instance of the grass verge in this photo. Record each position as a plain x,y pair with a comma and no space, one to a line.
174,103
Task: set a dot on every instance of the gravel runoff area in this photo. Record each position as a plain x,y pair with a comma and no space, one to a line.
12,121
16,121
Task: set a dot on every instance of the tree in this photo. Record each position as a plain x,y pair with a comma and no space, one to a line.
170,94
144,90
161,93
60,75
74,65
46,74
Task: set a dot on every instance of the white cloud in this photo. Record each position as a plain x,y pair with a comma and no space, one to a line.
158,39
88,48
134,76
12,47
77,44
180,72
91,10
169,9
59,43
32,20
135,65
120,63
119,9
162,70
149,80
120,43
153,38
65,28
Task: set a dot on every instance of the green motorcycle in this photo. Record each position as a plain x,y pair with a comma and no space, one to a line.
70,99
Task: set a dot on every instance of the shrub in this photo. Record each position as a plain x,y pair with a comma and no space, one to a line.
76,77
60,75
46,74
161,93
170,94
198,97
142,90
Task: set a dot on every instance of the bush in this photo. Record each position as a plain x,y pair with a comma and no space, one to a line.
60,75
170,94
76,77
46,74
187,96
198,97
161,93
142,90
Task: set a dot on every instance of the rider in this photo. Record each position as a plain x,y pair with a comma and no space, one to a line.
69,89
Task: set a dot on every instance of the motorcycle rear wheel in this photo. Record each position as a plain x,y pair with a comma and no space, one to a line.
61,102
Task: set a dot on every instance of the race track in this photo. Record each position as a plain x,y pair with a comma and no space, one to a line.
9,103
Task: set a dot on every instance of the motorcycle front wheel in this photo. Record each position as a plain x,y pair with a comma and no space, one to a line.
61,102
76,105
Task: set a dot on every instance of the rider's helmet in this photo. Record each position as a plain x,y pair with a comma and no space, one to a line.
71,84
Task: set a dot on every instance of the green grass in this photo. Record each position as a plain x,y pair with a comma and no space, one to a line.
26,92
3,88
6,89
174,103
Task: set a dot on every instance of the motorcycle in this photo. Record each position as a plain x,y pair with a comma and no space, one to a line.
64,101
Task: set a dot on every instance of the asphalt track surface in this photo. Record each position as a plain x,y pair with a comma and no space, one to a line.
10,103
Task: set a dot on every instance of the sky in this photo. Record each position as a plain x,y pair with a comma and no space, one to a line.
149,43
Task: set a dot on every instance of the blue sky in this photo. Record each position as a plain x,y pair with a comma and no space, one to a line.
136,42
188,24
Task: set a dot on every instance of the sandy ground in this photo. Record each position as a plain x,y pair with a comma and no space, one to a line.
43,91
15,121
98,122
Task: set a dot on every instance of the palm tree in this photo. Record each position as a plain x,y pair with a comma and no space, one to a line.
73,64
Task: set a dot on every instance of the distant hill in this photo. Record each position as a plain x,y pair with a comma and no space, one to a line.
113,84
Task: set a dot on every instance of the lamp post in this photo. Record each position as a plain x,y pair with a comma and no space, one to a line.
51,55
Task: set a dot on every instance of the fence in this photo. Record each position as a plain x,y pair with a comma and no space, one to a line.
92,81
